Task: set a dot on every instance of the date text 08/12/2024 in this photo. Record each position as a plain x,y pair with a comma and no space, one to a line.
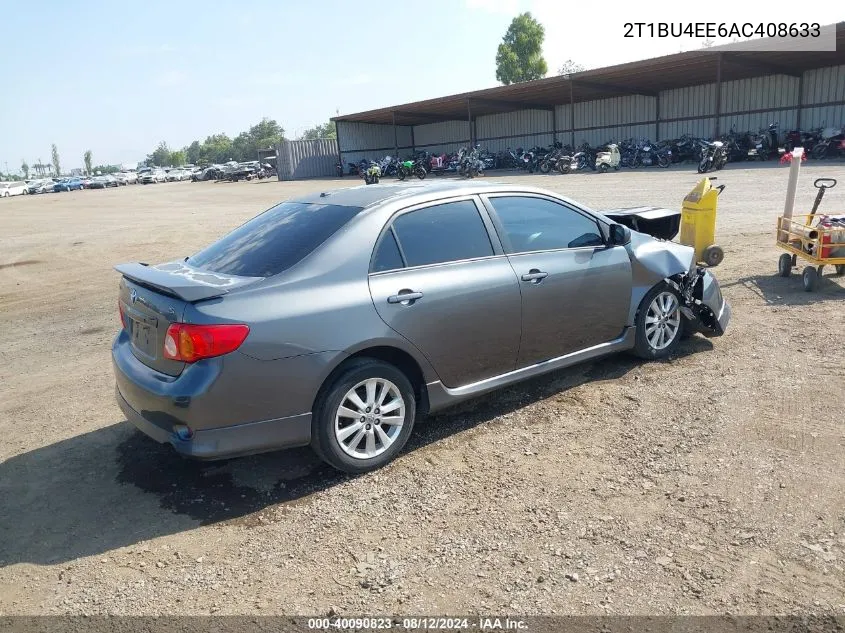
418,623
721,29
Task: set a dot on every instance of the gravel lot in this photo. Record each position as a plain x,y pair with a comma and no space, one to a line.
711,483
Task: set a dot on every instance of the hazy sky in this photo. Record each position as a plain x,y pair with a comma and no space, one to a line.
118,77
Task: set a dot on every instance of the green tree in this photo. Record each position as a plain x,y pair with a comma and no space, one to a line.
105,169
326,130
57,166
569,67
520,55
193,152
216,148
87,158
160,156
25,169
177,158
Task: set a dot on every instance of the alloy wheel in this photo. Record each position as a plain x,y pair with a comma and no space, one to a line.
369,418
662,321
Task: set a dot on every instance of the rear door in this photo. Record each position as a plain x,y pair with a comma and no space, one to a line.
575,290
439,281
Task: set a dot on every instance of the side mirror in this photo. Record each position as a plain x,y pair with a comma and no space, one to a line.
619,235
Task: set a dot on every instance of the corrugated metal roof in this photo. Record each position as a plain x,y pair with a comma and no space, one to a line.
646,77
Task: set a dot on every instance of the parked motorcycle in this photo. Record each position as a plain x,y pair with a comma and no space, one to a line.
764,144
469,163
829,143
713,157
372,174
411,167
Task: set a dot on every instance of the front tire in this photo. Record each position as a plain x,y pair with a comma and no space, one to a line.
810,278
364,417
659,323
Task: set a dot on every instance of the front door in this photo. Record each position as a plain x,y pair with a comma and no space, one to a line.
437,280
576,291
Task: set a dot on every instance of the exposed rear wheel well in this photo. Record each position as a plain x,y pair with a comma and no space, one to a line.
403,361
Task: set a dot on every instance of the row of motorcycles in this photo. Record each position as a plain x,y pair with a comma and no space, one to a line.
765,144
708,155
466,162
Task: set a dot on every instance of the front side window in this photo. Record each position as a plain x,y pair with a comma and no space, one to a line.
538,224
447,232
275,240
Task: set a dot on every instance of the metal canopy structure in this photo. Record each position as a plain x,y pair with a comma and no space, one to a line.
647,77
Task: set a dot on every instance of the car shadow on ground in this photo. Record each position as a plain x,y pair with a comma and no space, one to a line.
114,487
789,291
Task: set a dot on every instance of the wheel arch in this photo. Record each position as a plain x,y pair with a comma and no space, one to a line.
417,370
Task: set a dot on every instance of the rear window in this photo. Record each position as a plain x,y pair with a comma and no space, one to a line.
275,240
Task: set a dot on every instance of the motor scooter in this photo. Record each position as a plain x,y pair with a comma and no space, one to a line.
605,161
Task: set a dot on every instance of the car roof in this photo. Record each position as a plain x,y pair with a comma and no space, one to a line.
409,192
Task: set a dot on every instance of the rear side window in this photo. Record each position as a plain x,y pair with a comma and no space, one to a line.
387,255
275,240
443,233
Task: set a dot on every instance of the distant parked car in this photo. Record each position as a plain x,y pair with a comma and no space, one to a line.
44,185
86,182
8,189
68,184
130,176
154,175
120,178
208,173
174,175
101,182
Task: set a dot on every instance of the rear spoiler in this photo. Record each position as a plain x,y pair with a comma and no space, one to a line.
179,280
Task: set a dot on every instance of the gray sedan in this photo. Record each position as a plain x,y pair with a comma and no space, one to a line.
336,319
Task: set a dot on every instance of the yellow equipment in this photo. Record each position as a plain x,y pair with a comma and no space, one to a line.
698,222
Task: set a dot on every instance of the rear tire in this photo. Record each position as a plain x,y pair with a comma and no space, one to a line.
785,265
328,425
658,323
840,270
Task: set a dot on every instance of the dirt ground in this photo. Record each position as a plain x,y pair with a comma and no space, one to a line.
711,483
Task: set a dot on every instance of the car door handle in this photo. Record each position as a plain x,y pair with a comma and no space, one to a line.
535,276
405,296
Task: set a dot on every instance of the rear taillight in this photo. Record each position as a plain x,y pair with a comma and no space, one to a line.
122,316
189,343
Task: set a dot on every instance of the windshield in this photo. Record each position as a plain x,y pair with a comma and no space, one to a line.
275,240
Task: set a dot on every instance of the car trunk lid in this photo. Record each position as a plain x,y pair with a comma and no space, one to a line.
660,223
153,297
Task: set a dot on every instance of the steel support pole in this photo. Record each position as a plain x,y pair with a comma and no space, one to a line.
718,94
